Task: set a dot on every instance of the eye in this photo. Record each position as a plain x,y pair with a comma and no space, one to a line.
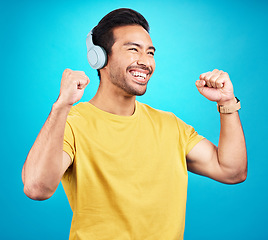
151,53
133,49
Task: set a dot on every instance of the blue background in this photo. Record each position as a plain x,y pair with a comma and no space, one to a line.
40,39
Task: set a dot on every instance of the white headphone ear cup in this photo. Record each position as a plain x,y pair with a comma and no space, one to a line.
96,57
102,57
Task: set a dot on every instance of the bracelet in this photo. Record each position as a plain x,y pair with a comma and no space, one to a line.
231,108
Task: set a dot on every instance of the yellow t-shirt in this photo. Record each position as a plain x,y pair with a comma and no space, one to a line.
128,180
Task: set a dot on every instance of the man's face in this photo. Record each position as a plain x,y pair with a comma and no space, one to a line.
131,63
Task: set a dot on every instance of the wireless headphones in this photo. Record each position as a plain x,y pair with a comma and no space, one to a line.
96,55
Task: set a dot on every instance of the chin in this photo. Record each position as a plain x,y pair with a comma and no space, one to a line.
140,93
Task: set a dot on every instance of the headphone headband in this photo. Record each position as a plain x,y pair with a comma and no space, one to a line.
89,41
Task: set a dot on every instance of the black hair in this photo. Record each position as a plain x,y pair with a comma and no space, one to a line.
103,32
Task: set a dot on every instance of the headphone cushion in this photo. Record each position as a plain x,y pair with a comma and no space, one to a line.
97,57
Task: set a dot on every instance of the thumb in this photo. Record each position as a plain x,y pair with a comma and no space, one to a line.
82,83
200,83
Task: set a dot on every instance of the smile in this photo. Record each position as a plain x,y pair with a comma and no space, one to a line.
139,77
138,74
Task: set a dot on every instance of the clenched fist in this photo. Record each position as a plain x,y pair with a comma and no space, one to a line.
216,86
73,84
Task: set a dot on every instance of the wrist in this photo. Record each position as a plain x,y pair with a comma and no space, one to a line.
61,105
229,106
229,102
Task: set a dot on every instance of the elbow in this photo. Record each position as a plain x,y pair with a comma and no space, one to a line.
237,174
243,176
240,177
36,192
36,189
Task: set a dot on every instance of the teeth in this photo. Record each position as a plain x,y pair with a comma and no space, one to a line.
138,74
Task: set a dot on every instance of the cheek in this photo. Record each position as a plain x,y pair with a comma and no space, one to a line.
117,67
153,64
131,58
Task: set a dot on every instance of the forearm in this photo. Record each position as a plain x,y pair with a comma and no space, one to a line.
232,154
42,170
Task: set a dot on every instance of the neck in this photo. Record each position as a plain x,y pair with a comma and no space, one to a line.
113,100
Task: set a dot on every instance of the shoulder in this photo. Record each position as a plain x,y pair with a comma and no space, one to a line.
78,113
78,109
167,117
153,112
163,119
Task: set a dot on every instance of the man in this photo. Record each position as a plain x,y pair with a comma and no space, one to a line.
123,164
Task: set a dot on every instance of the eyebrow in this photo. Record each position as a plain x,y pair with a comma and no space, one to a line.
139,45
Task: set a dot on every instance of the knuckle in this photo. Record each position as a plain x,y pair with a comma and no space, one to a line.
67,70
207,77
203,75
81,72
213,78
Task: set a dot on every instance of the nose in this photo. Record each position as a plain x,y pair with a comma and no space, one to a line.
144,59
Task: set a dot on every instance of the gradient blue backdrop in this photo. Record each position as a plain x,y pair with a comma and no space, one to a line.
40,39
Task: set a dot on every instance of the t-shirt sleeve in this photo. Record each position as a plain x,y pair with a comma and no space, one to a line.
193,138
188,135
68,142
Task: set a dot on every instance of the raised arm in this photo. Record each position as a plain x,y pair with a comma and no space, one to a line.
46,161
226,163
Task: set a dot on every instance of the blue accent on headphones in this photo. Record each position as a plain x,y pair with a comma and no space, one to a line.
96,55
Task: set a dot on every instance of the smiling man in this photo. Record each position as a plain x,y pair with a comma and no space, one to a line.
123,164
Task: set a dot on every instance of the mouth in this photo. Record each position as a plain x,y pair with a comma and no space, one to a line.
139,76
